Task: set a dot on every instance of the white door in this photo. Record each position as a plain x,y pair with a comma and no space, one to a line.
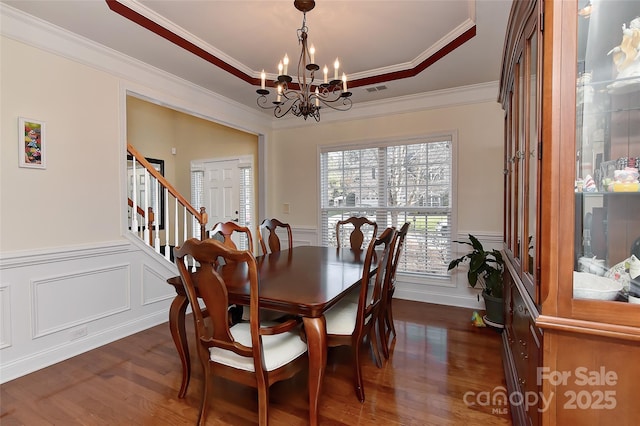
222,192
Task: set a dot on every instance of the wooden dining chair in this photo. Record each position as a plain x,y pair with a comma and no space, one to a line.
354,225
348,323
226,230
250,353
269,227
385,322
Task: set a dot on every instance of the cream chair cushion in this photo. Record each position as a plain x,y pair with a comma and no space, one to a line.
341,319
279,349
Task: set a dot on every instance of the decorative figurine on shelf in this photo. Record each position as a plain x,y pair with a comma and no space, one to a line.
626,58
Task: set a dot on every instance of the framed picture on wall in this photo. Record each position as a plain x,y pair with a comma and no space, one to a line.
31,143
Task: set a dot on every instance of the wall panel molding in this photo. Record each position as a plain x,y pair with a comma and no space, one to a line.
5,316
80,298
58,303
304,236
27,258
154,287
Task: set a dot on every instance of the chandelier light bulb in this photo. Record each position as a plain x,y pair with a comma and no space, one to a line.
336,65
344,82
317,98
280,68
312,53
263,77
286,63
326,73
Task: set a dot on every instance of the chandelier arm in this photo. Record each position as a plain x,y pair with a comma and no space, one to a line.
346,104
292,95
262,102
280,110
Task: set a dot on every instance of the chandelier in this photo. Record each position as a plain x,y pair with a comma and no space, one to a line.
307,97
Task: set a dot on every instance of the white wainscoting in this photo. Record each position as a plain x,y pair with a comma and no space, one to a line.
58,303
452,291
55,304
90,295
305,236
5,316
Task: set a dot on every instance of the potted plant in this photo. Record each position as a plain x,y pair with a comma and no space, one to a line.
486,269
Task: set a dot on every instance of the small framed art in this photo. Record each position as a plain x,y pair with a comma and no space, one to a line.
31,143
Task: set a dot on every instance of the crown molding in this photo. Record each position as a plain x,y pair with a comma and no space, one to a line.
53,39
457,96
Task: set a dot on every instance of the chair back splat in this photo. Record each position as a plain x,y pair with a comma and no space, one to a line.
226,230
348,322
250,353
356,237
269,227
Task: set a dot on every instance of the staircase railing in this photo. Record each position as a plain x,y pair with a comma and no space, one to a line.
140,218
145,223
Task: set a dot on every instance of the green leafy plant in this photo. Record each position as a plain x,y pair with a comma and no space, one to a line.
486,267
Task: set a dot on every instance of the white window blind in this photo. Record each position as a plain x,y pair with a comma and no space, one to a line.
246,201
394,184
197,198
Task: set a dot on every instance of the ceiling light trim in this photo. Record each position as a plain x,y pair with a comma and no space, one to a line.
182,33
412,72
119,7
142,16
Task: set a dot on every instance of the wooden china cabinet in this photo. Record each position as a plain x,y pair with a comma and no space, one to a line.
570,89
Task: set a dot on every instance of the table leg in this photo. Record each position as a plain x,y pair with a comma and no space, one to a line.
179,334
316,332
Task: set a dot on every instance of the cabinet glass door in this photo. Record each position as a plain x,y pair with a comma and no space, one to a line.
607,188
531,158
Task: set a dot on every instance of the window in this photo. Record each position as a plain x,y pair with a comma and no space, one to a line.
394,183
197,198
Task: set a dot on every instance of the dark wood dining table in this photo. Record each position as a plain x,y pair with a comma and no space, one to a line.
305,281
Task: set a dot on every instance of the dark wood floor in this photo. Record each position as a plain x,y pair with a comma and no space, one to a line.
438,357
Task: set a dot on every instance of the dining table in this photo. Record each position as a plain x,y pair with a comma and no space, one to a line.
304,281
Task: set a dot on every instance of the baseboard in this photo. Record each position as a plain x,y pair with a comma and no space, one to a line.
439,298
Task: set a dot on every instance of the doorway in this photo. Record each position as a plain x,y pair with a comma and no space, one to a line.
225,188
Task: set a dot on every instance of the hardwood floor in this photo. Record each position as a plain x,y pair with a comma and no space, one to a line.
438,358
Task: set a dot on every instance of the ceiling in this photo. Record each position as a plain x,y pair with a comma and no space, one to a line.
388,49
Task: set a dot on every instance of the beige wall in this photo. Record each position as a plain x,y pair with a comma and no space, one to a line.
153,130
293,160
56,207
76,200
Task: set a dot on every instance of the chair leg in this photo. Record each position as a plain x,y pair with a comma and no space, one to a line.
263,404
358,370
382,334
204,403
389,319
373,341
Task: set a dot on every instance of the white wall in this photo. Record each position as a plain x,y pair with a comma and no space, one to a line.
72,279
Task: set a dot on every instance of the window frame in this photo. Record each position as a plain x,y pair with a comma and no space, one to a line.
450,135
